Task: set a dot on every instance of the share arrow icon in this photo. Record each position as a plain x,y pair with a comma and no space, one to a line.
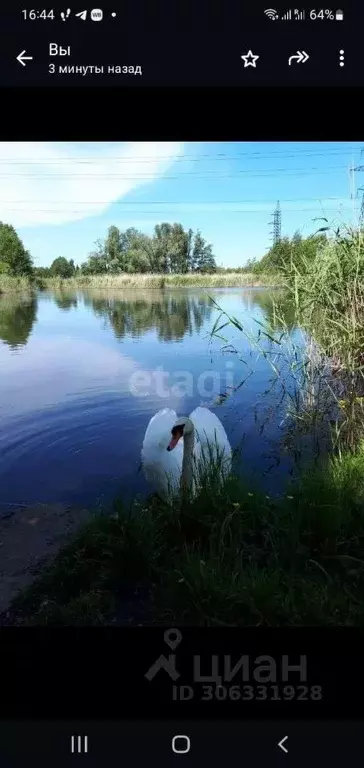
301,57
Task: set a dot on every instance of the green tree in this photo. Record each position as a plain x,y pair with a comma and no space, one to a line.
113,252
249,266
96,263
62,268
138,260
181,249
202,256
161,241
14,259
42,272
170,249
296,251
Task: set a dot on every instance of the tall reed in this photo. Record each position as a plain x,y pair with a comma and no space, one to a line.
317,354
145,281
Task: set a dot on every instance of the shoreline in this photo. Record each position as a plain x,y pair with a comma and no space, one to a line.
140,281
231,556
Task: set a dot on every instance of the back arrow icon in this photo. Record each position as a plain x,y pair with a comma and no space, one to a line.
301,57
281,743
22,58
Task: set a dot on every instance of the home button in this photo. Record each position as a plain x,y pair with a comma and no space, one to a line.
181,745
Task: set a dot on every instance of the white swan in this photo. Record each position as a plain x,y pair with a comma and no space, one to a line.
173,448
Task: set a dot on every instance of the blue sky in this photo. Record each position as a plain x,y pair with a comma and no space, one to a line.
61,197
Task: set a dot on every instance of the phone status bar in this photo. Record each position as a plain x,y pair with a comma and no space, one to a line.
299,14
67,14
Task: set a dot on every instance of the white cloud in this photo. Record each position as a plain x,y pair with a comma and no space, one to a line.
62,369
55,183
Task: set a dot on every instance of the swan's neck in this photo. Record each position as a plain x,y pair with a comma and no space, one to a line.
187,462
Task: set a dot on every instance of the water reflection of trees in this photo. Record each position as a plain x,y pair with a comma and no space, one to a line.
171,315
276,305
17,317
65,301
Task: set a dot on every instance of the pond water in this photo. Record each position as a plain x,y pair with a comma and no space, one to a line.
81,374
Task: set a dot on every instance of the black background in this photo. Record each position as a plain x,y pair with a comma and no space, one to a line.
164,114
100,673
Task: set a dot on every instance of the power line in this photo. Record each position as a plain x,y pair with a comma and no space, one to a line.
263,173
175,158
232,210
171,202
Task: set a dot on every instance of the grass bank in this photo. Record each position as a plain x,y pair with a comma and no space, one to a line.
232,556
17,284
215,280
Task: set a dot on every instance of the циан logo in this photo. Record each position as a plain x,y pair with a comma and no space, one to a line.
173,638
257,678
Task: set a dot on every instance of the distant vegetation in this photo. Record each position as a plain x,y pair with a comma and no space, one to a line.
171,250
146,281
296,250
172,256
15,261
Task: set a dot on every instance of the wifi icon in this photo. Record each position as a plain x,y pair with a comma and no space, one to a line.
271,13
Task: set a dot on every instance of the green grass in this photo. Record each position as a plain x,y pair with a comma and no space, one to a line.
327,294
231,556
216,280
16,284
321,296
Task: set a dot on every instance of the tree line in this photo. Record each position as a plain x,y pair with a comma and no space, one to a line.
296,250
171,249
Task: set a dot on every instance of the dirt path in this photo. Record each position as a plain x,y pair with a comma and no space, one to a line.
29,536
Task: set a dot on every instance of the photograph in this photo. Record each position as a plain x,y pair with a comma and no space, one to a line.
182,384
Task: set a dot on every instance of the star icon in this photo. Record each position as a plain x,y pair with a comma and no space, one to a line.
250,59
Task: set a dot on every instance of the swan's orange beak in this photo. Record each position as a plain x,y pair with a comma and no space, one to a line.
173,443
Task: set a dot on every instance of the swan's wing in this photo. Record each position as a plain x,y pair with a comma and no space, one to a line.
211,436
162,468
160,427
